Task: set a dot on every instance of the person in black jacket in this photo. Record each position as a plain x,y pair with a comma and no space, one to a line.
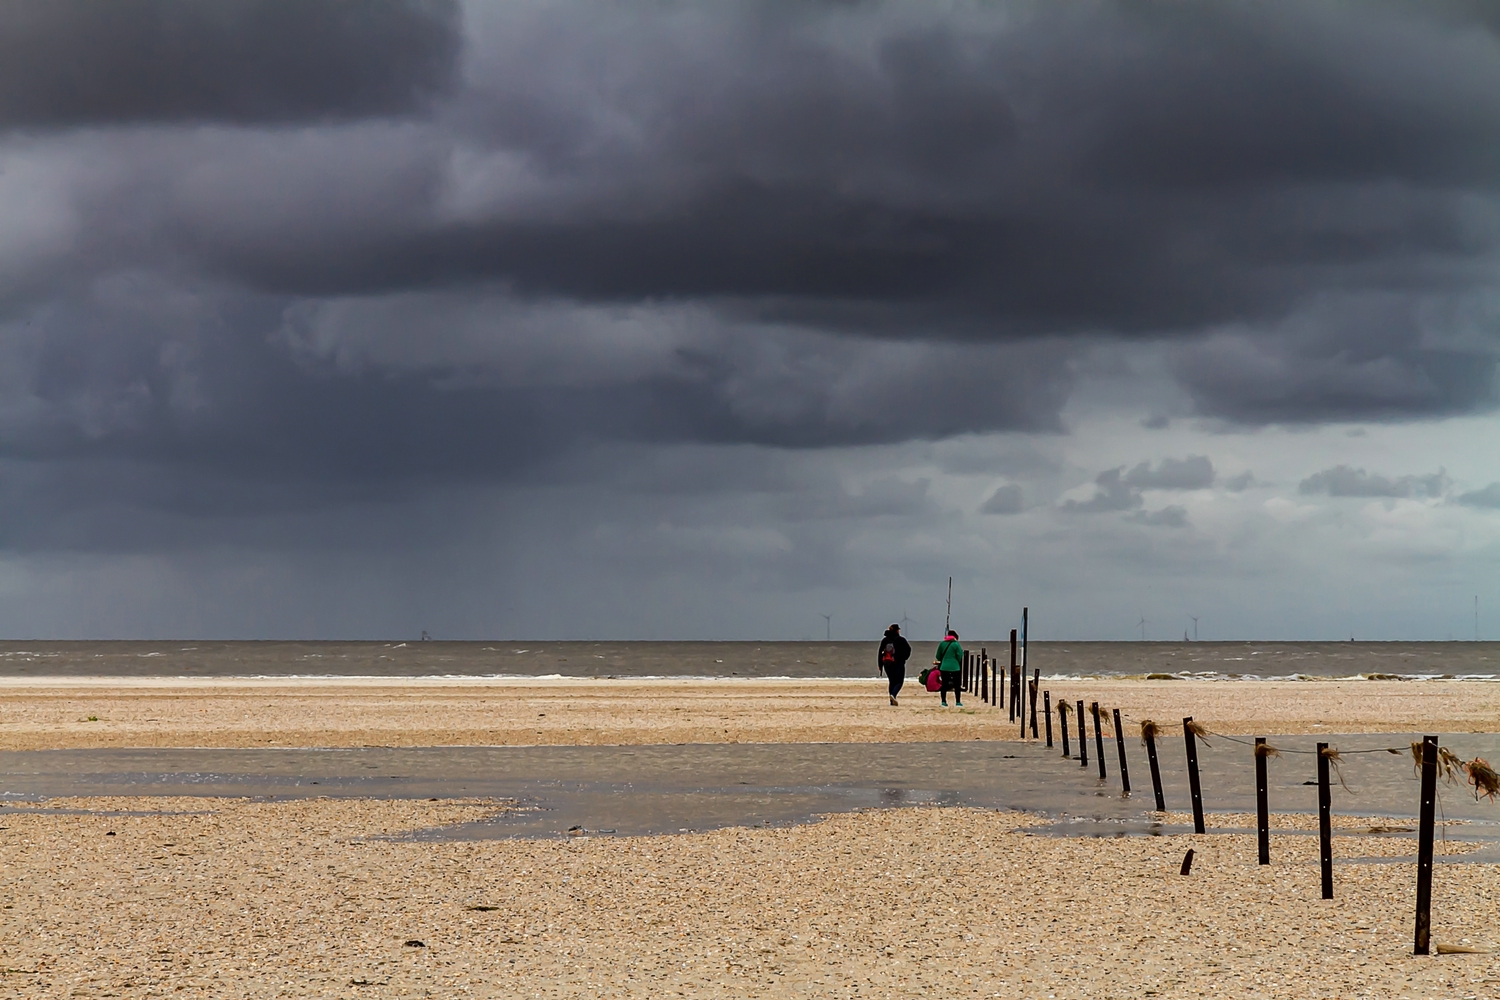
894,652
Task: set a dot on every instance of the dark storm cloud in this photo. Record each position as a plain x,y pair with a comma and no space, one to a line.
1372,356
1344,481
795,226
1130,169
1248,179
73,62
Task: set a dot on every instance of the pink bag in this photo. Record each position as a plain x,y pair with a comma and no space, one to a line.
934,679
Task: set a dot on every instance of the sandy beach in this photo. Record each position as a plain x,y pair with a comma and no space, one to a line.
150,896
253,899
43,713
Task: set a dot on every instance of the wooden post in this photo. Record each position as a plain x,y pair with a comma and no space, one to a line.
1325,822
984,677
1062,724
1083,739
1193,783
963,677
1047,714
1262,803
1025,638
1036,685
1120,744
1098,739
1021,711
1012,699
994,681
1424,845
1161,803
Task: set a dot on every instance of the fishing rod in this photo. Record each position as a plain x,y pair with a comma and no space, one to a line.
948,617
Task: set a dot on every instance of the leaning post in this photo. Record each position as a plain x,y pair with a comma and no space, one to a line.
1120,743
1194,785
1083,738
1098,740
1148,733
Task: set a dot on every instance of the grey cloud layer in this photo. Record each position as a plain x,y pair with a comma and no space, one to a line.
1487,497
1117,489
449,243
1343,481
71,62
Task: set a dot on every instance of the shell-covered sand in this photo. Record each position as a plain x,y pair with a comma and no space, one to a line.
321,897
231,898
38,713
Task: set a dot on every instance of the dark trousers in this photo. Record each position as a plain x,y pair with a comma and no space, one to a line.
896,674
951,679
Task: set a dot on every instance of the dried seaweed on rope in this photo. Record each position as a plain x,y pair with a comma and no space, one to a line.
1483,777
1199,730
1266,750
1449,765
1335,759
1149,729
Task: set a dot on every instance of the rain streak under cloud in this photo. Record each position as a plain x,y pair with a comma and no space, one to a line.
665,321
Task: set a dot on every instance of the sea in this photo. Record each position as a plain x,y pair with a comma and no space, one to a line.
1219,661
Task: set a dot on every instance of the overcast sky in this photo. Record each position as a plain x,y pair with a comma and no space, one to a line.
658,320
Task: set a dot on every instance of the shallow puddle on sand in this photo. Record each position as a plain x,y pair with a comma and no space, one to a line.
665,789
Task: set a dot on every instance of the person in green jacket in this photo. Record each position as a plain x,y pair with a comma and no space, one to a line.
949,659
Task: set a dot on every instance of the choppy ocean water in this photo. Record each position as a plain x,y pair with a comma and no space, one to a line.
1061,660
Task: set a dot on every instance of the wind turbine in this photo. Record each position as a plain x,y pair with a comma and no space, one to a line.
1195,627
904,621
1142,625
828,626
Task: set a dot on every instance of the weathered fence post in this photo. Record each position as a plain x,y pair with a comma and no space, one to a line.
1047,714
1262,803
1083,739
1120,744
1012,699
984,677
1036,685
1062,724
1148,733
1098,739
1325,822
1193,784
1424,845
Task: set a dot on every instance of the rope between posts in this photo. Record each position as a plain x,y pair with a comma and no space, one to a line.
1480,775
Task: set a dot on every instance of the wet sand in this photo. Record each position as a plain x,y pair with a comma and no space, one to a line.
44,713
253,899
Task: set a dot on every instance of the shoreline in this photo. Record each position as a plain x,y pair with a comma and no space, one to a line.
251,899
